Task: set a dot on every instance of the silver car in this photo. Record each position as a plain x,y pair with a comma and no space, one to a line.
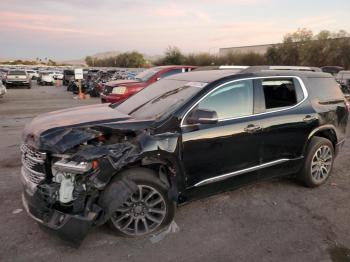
17,77
2,90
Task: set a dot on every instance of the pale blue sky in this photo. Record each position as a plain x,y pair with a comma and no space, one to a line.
65,29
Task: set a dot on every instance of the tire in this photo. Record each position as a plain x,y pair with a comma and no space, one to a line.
148,181
317,167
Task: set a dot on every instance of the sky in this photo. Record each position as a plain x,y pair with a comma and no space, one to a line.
71,29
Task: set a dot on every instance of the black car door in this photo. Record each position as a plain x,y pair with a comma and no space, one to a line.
213,152
287,121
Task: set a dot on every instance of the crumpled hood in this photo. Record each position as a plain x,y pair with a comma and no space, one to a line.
60,130
81,115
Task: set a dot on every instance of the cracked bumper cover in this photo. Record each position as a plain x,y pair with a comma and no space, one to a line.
68,226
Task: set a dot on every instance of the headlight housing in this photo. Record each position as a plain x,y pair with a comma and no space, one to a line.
119,90
68,166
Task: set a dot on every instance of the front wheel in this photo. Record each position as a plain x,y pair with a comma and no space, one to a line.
148,210
318,162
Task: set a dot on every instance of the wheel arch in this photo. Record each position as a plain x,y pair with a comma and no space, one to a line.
168,170
326,131
165,167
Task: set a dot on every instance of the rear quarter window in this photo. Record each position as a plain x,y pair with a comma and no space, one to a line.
325,89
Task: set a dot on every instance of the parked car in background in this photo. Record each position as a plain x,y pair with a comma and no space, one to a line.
184,137
16,77
33,75
333,70
46,78
3,90
68,75
343,78
3,73
120,90
57,75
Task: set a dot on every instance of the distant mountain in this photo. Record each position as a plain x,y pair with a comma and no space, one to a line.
73,62
105,54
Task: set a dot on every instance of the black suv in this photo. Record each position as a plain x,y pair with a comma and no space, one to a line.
184,137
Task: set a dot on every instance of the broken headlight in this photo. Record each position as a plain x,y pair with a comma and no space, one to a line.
65,173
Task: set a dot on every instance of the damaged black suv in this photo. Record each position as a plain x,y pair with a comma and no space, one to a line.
184,137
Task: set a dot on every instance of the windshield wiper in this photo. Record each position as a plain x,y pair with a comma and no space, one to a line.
156,99
169,93
137,108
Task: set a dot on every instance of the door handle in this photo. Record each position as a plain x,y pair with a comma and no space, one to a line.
309,118
252,128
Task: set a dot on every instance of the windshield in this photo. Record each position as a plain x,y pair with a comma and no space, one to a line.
160,98
147,74
17,72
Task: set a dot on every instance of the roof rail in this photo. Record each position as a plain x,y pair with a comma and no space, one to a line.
232,67
253,69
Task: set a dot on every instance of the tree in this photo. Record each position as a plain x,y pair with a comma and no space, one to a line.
173,56
89,61
304,48
128,59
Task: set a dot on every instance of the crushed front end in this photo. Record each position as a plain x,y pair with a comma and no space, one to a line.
57,194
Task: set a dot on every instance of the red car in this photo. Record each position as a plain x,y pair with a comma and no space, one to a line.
120,90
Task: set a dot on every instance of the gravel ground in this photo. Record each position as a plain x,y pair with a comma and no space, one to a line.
276,220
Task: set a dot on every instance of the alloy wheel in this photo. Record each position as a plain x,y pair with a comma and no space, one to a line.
142,213
321,163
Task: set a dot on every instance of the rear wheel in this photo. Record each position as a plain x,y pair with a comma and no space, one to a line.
318,162
147,210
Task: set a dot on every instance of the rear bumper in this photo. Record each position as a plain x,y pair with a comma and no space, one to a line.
17,83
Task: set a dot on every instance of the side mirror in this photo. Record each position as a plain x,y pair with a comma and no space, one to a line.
202,116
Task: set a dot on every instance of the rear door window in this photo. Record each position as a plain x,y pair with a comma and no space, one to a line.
281,93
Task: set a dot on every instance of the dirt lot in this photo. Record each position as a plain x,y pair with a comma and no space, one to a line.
269,221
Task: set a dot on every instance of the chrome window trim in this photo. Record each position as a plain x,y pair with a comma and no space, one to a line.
240,172
305,93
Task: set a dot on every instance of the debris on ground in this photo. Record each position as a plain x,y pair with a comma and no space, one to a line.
17,211
173,228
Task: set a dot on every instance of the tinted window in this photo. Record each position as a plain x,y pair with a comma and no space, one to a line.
171,72
231,100
325,89
17,72
147,74
281,92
